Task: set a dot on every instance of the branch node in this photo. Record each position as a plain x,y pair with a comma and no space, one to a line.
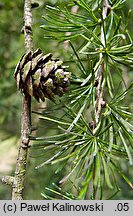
103,104
96,83
28,29
25,143
92,125
106,9
8,180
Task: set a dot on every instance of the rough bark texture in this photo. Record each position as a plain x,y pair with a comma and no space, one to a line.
21,163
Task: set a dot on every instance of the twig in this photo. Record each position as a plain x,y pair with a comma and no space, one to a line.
21,164
100,103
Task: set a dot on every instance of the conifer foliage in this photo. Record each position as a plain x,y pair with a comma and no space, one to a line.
95,130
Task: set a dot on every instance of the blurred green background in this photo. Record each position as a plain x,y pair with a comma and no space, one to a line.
11,49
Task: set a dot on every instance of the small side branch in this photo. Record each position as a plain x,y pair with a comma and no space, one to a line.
21,164
100,103
7,180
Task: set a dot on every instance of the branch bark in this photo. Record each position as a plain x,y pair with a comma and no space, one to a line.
100,103
21,163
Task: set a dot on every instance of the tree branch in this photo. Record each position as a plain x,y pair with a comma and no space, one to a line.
21,164
100,103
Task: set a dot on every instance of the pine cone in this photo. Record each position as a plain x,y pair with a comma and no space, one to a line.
41,76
